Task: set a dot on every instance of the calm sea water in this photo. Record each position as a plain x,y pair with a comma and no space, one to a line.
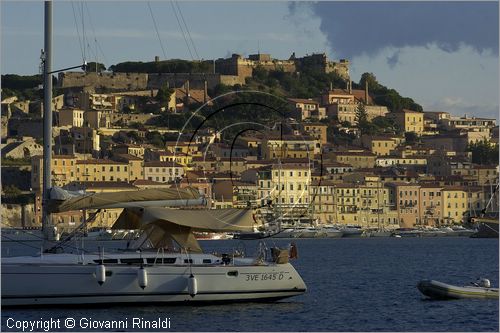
366,284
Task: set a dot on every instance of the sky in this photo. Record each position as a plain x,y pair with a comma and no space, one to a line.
444,55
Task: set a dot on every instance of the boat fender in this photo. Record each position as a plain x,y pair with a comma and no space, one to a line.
293,251
142,277
100,274
192,285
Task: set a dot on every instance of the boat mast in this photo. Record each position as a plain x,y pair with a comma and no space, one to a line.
47,122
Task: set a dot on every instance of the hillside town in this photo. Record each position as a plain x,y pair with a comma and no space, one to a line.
341,156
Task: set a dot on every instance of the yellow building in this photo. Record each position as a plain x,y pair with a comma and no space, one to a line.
380,145
454,204
400,161
317,131
63,170
102,170
183,159
285,188
235,165
430,205
71,117
374,204
308,108
128,148
357,159
135,164
347,201
323,201
163,172
97,119
189,148
409,121
288,146
405,197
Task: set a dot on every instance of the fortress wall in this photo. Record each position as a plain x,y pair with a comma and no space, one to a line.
110,81
177,80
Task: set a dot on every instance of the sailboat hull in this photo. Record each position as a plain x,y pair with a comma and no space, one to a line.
32,285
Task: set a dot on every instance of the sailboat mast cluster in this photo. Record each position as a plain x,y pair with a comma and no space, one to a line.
47,121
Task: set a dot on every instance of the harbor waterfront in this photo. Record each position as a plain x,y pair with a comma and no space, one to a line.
354,284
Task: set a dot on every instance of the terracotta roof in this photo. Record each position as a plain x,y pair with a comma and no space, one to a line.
101,184
354,153
357,93
409,111
195,95
128,157
288,137
142,182
454,188
290,167
128,145
63,156
303,100
485,166
431,184
99,161
233,159
335,164
383,137
165,164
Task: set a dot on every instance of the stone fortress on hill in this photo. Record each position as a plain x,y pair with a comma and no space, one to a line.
229,71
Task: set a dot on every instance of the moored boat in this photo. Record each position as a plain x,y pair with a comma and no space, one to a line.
407,232
487,227
351,231
332,232
157,267
439,290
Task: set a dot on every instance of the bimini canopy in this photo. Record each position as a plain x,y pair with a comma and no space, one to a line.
162,225
62,202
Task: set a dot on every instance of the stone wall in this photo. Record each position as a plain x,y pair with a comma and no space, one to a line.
93,82
131,118
18,216
109,82
177,80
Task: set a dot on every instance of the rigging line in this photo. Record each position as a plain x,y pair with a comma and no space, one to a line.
95,35
77,31
157,33
68,246
83,33
187,29
182,30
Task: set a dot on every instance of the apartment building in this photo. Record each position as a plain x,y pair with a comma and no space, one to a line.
102,170
409,120
454,204
163,172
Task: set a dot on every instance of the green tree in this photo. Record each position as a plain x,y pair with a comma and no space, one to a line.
164,94
11,191
260,73
411,138
373,84
483,152
385,96
93,67
363,124
155,138
386,125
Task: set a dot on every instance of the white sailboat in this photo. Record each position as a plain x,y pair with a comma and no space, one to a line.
165,264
